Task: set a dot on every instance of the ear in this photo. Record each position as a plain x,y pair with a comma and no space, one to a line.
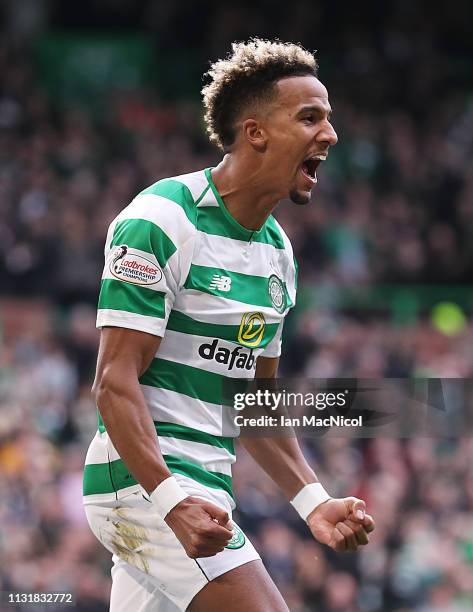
254,134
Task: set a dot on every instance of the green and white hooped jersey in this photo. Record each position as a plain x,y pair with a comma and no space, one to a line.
179,266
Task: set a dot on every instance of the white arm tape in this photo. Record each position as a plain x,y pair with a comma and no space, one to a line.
167,494
308,498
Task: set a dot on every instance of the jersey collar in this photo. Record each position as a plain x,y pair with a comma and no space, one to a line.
213,198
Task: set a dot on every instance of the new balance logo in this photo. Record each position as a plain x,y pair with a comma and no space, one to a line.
220,283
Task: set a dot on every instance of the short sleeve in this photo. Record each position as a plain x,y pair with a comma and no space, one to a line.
148,253
273,349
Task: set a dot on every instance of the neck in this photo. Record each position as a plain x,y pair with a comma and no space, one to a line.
247,190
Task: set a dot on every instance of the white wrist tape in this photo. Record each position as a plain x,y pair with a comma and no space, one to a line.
308,498
167,494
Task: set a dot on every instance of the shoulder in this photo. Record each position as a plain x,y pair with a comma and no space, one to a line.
184,191
169,204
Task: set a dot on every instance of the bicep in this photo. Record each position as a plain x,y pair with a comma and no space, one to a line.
125,351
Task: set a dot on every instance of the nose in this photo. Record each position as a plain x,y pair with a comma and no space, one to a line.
327,134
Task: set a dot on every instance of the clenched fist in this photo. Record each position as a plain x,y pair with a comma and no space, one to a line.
202,528
341,524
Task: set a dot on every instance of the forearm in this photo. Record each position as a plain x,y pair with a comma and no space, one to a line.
282,459
131,430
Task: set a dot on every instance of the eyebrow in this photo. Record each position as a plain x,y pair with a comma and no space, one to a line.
314,108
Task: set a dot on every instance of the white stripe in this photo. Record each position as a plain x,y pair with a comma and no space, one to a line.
233,318
211,458
184,348
131,320
173,407
253,258
196,182
164,213
110,232
101,449
217,309
197,489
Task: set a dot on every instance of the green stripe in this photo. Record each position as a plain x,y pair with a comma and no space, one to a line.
290,303
246,288
100,478
219,221
271,234
214,480
211,220
120,295
194,382
180,322
178,193
100,425
202,195
145,236
173,430
108,477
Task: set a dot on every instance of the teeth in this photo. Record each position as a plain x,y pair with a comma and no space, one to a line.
317,158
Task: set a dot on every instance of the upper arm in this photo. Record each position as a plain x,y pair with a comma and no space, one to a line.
147,258
124,353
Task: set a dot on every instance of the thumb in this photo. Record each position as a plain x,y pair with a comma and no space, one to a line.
216,513
357,507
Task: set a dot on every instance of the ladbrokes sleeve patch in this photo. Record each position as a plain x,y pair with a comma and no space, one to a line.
130,266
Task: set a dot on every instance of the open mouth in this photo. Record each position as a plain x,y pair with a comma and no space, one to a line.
309,167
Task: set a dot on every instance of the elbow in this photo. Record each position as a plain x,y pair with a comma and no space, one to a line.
97,388
111,387
102,389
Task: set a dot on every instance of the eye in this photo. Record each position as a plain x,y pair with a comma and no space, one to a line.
308,118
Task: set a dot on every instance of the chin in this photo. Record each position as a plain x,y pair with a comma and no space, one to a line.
301,198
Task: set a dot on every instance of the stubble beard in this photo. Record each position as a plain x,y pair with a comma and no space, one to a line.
299,198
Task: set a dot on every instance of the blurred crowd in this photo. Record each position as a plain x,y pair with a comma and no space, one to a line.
420,491
394,201
394,204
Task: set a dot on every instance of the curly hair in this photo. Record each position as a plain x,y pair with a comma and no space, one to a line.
247,77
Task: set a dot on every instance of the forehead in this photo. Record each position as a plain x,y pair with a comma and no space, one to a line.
296,92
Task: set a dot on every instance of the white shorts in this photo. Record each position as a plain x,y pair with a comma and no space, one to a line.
151,571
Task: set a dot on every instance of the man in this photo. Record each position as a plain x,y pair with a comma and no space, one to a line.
197,281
